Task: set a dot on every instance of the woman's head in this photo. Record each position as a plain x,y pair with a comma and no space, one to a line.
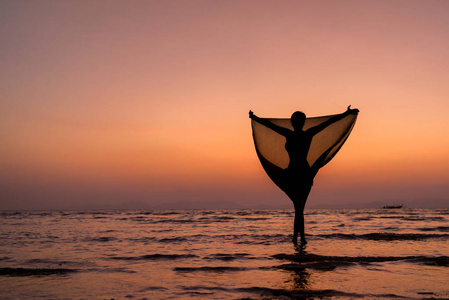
298,118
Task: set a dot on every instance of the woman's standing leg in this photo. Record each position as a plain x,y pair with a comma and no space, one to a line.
298,224
299,202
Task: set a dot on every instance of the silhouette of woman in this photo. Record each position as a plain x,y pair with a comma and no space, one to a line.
297,179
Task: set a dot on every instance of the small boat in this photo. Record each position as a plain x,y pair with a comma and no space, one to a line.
393,206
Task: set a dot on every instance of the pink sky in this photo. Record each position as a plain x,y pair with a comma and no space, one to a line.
108,102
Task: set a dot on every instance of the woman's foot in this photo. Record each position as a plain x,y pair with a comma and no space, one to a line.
295,240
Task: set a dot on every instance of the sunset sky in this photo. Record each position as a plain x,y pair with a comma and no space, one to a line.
144,104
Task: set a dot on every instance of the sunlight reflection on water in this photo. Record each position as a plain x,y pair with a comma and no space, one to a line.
223,254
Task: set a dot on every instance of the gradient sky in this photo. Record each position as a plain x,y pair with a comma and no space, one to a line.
145,103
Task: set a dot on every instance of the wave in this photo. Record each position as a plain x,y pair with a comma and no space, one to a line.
163,213
439,261
155,257
368,218
153,288
103,239
260,239
298,294
173,240
112,270
235,238
144,240
60,263
34,272
207,220
319,266
202,219
410,217
323,262
384,236
281,293
438,228
217,256
268,239
175,221
209,269
228,257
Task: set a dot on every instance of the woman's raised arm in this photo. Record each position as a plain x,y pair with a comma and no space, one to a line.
318,128
281,130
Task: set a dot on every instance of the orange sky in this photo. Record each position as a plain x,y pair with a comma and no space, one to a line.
108,102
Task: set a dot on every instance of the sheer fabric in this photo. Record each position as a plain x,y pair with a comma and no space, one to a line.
270,146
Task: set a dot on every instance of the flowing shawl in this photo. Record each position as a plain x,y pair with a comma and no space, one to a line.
270,146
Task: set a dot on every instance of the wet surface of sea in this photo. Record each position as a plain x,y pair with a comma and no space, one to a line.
232,254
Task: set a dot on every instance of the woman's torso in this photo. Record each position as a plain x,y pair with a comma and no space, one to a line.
297,146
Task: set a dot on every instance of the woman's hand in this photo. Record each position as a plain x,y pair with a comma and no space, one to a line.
352,111
251,114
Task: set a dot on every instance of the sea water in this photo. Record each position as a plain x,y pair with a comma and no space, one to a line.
224,254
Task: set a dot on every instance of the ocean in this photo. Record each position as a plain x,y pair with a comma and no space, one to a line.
224,254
